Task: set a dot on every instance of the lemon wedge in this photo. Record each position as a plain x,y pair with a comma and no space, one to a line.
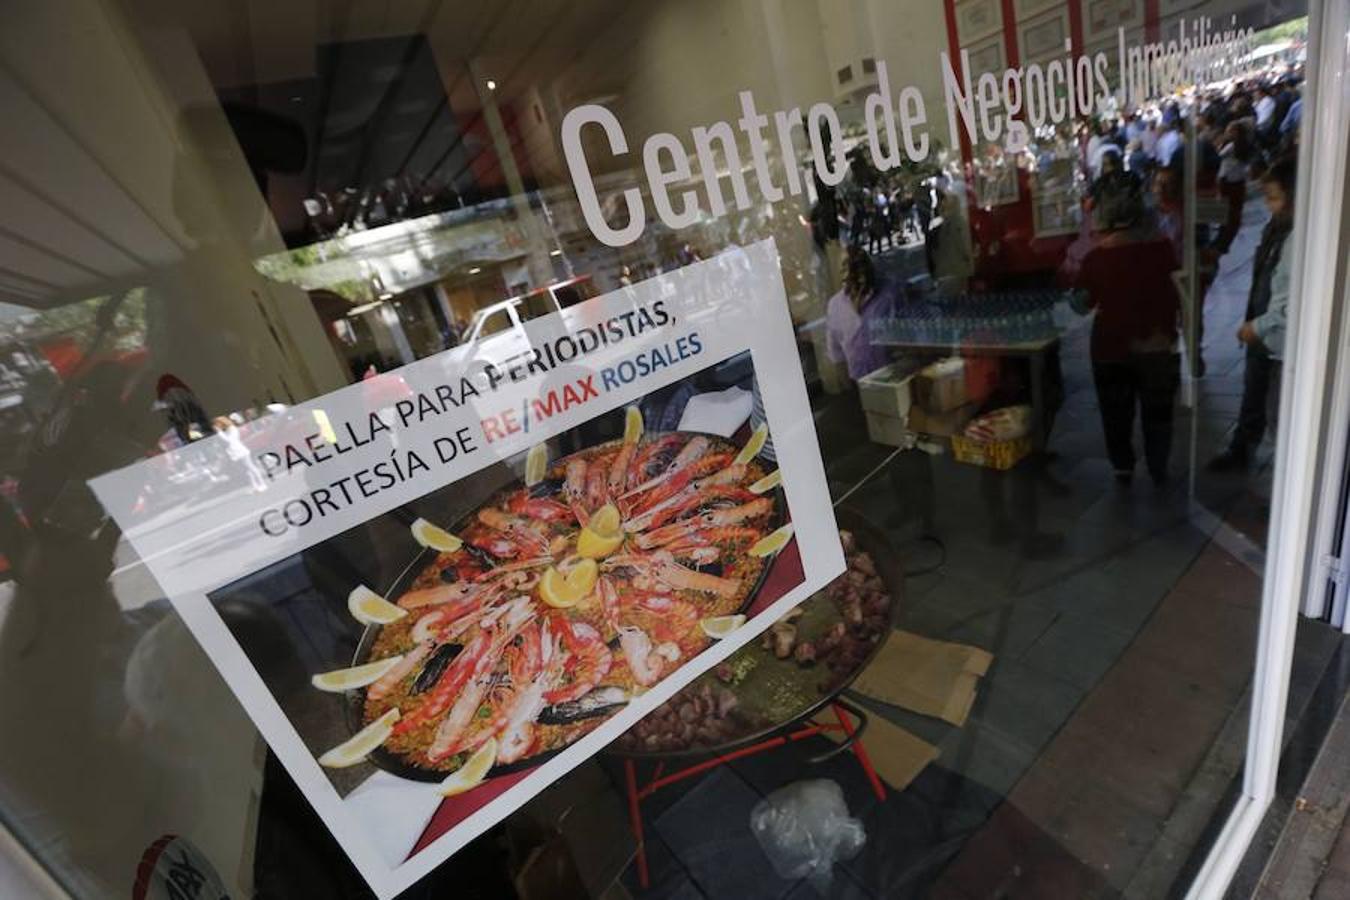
369,608
753,446
602,534
359,745
536,465
561,590
435,537
772,543
719,627
356,677
472,773
632,425
768,482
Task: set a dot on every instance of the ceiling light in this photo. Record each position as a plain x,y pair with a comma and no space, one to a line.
475,270
555,253
492,85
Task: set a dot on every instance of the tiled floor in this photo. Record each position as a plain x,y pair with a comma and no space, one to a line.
1123,639
699,842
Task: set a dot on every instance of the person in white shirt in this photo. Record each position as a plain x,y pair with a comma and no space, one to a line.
1169,143
1148,139
1265,108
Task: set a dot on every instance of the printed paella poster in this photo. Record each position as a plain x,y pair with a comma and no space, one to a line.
438,590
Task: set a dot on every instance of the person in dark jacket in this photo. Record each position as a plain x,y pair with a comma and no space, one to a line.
1258,394
1135,364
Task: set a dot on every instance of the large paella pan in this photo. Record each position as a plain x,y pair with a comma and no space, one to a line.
525,624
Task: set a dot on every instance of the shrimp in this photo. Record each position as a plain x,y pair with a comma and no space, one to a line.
681,482
524,657
689,453
574,488
514,529
499,545
618,473
515,729
449,685
646,454
661,567
389,681
451,732
512,568
703,546
543,509
666,617
462,592
687,501
589,660
646,662
597,483
716,518
449,735
609,602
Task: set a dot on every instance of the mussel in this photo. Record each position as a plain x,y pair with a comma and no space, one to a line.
435,667
600,702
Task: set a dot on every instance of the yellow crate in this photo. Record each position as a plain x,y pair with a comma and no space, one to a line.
1000,455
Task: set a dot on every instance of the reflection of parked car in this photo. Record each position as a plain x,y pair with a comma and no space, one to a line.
511,312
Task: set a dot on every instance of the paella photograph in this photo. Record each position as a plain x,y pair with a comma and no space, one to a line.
456,642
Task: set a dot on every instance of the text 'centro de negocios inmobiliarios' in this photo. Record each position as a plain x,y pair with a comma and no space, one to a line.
995,107
442,406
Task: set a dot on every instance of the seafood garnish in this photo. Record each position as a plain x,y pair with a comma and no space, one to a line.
599,702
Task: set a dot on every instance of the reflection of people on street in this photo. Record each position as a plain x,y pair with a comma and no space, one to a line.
950,252
182,408
235,449
1262,330
864,299
1135,364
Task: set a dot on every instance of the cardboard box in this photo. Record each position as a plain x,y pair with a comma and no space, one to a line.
887,390
941,386
884,429
956,381
1000,455
941,424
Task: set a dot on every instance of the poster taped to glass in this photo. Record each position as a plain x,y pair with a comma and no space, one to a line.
439,589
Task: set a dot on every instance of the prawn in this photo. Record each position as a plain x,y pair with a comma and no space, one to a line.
597,483
514,529
645,661
716,518
661,567
589,660
389,681
687,501
543,509
703,546
574,488
449,735
646,454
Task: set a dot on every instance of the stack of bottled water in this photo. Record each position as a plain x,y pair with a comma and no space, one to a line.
993,319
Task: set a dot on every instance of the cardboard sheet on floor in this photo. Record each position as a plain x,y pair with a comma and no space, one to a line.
932,678
897,755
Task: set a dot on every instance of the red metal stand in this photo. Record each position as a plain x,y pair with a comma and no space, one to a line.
852,733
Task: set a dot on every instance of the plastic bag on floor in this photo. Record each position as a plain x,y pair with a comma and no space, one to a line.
804,828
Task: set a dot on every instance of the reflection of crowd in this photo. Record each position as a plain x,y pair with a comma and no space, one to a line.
1247,130
1129,262
882,210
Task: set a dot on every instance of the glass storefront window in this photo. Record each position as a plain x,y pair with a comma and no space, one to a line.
1041,260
